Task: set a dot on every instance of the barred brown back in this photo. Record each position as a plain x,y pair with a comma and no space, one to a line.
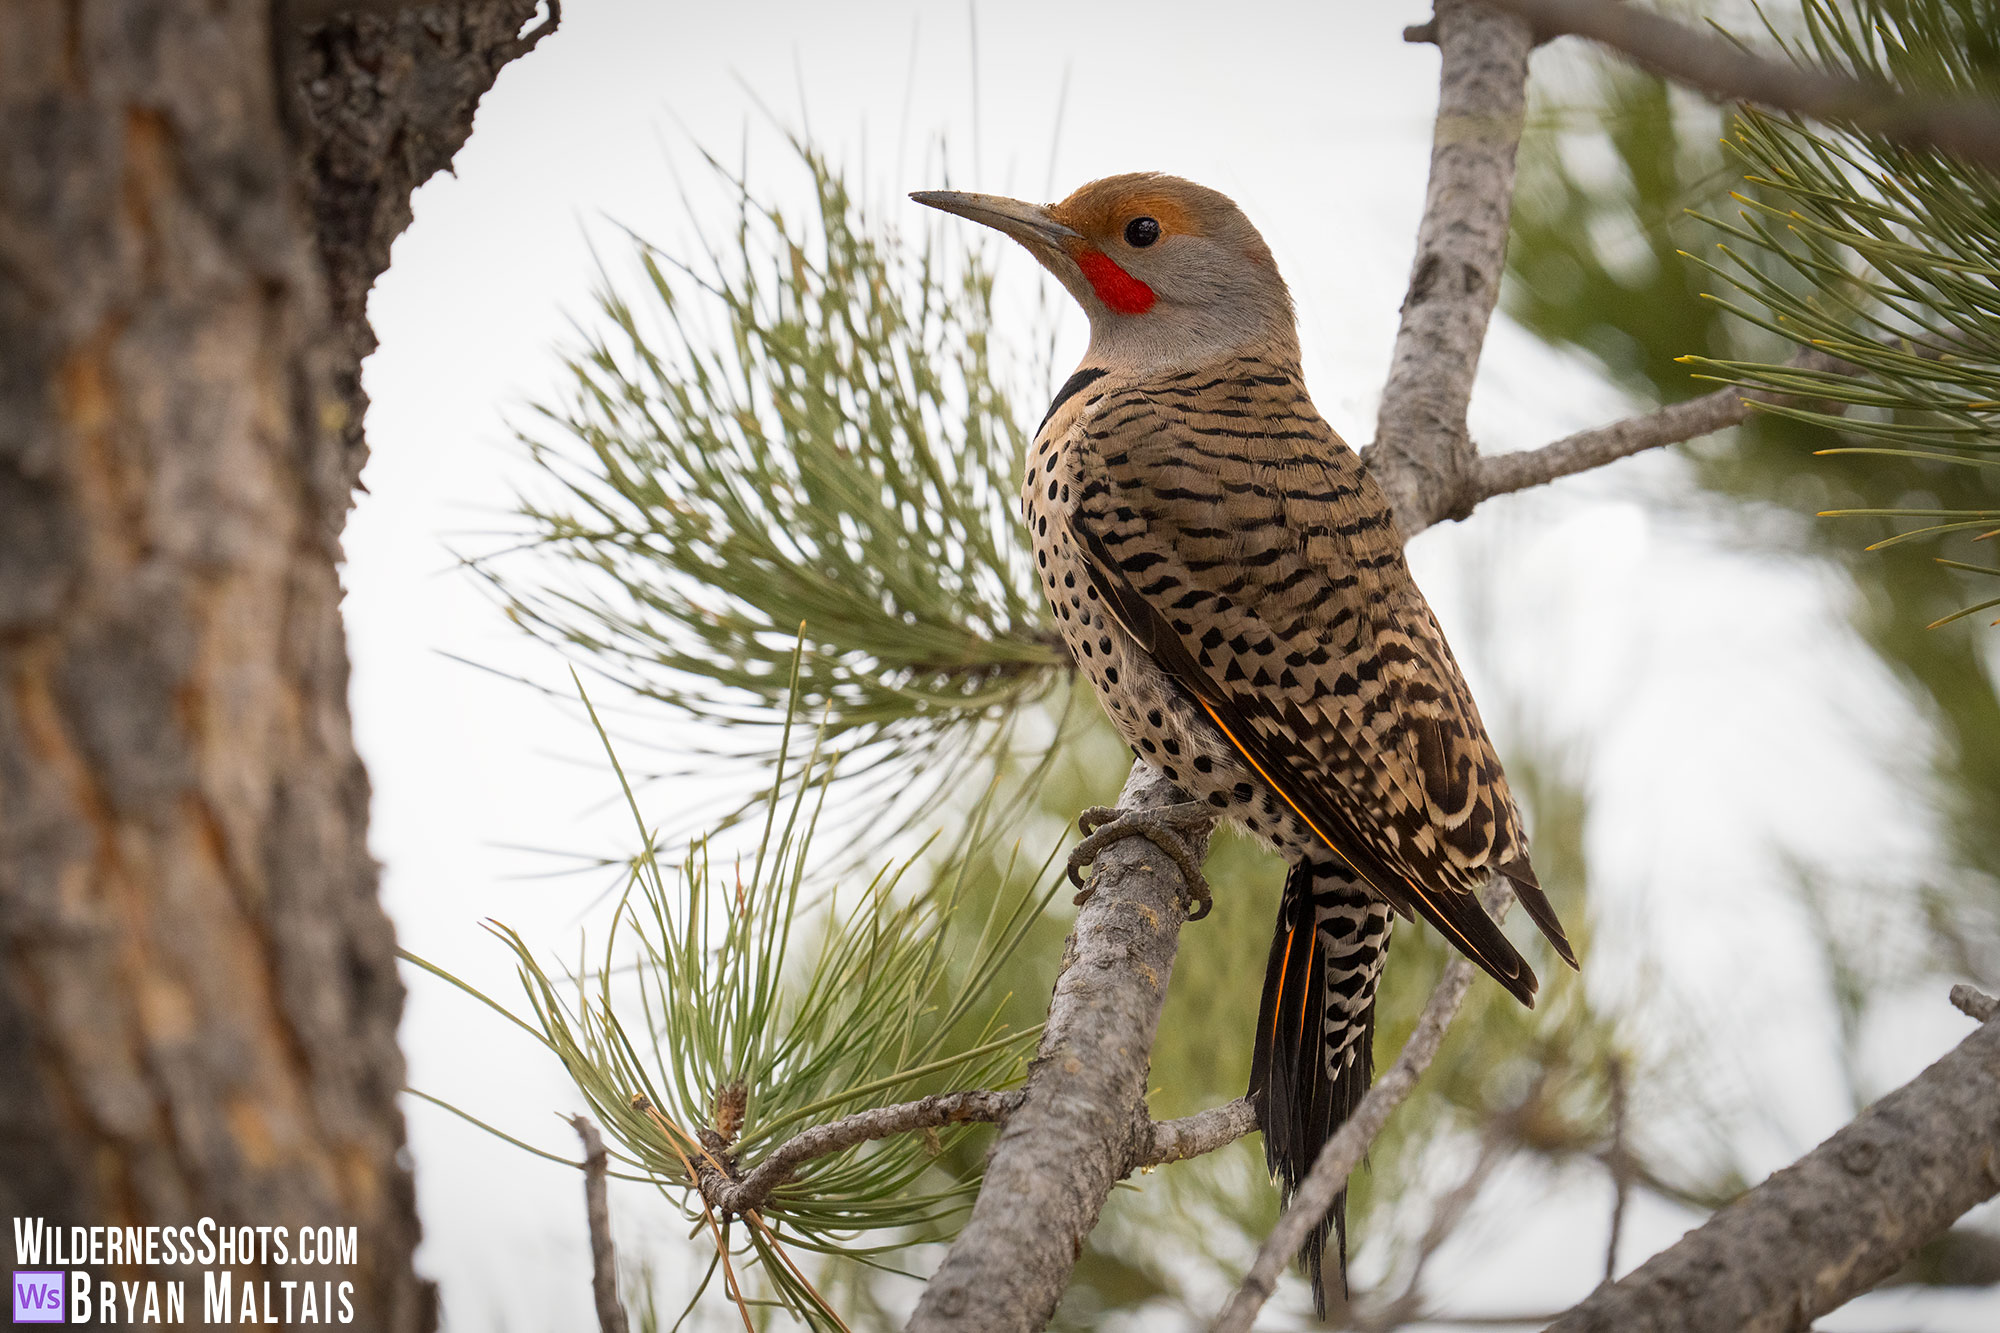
1231,579
1220,560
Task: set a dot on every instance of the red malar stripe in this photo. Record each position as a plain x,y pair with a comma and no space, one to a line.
1114,286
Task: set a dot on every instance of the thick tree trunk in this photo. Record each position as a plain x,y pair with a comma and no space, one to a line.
198,988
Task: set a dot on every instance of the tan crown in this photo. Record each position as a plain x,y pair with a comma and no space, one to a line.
1215,287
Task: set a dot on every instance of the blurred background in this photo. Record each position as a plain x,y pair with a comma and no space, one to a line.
1761,791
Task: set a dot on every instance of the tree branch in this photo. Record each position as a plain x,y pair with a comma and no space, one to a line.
1344,1150
1077,1130
1973,1004
1502,474
1164,1140
1422,455
597,1207
1617,1161
748,1193
1836,1222
1203,1132
1714,65
381,96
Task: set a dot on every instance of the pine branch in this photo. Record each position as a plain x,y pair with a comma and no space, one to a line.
1836,1222
803,433
1422,454
1081,1117
1719,68
746,1194
1677,423
1166,1140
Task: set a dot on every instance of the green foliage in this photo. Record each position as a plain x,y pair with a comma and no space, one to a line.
728,1011
807,435
1895,256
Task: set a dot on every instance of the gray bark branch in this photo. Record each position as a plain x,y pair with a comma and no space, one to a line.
748,1194
1677,423
1422,455
1203,1132
1833,1224
1717,67
1082,1124
1165,1140
597,1211
1973,1004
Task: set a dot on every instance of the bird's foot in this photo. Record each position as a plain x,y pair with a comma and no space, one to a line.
1166,828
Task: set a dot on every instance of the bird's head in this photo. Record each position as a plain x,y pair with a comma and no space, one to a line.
1171,273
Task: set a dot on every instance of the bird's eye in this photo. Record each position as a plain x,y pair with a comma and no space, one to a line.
1141,232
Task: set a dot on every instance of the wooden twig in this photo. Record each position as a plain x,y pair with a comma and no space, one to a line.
1974,1004
748,1193
1203,1132
1422,455
1344,1150
1502,474
1078,1129
1618,1161
1712,64
597,1207
1836,1222
1163,1140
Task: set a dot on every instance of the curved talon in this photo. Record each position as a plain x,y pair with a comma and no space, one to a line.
1094,818
1088,822
1103,826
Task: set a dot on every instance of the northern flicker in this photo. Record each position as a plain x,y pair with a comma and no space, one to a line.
1232,580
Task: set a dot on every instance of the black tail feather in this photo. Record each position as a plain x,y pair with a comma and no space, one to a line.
1301,1102
1529,890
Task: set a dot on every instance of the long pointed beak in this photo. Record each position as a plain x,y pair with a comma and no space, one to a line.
1030,224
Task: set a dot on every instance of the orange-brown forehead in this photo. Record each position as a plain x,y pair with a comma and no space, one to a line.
1104,212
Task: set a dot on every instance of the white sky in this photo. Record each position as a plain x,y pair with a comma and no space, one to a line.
1726,707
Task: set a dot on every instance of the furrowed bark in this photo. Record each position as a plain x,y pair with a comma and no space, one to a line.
1422,455
1082,1124
384,98
1833,1224
198,987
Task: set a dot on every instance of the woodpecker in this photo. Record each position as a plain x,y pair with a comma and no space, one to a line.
1230,577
